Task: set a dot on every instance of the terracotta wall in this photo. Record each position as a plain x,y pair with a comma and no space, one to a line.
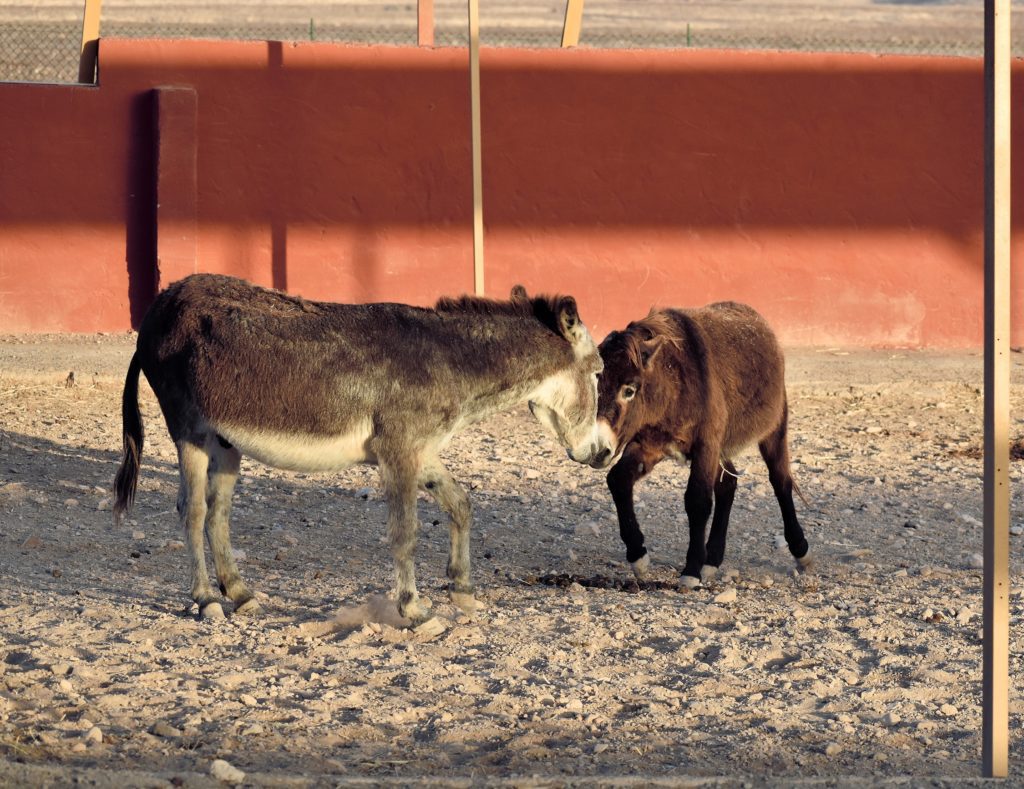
839,194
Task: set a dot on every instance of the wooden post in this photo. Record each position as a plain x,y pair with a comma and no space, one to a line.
573,23
995,653
425,23
89,53
474,99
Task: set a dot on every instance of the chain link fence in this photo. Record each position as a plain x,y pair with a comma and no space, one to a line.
38,49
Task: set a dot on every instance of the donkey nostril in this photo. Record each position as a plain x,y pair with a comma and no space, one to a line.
602,456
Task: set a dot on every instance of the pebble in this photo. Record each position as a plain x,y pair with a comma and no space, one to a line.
726,596
248,700
1017,529
226,772
891,719
833,749
364,493
95,734
963,616
574,706
949,710
164,729
976,561
138,535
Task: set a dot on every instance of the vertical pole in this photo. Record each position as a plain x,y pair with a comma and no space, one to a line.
425,23
573,23
995,653
478,200
89,52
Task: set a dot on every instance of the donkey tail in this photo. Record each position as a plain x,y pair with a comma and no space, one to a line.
131,457
800,493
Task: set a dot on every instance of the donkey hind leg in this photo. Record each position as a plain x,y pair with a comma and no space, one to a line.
775,451
193,465
631,467
403,524
698,502
436,480
725,492
221,478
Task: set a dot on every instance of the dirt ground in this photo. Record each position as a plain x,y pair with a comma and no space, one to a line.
865,671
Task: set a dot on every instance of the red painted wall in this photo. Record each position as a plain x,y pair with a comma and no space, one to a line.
839,194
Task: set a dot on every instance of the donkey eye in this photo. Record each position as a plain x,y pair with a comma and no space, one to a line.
628,392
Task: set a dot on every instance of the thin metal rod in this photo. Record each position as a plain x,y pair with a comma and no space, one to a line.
995,652
89,52
573,23
478,199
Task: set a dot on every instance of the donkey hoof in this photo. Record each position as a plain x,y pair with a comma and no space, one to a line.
689,581
708,573
805,563
465,601
211,611
248,607
641,566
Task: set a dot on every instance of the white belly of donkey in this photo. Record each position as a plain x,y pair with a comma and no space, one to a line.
301,451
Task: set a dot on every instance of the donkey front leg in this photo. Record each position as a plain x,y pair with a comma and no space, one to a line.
403,524
698,502
193,464
632,466
223,473
450,497
725,492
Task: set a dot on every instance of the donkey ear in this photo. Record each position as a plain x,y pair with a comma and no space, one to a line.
649,350
569,324
519,293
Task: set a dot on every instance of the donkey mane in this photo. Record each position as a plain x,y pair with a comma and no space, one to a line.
543,308
658,323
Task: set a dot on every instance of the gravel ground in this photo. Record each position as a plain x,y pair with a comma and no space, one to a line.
865,672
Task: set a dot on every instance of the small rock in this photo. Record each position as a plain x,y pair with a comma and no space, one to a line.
239,554
531,473
95,734
164,729
32,542
963,616
364,493
976,561
65,686
949,710
601,747
248,700
927,614
1017,529
138,535
833,749
726,596
174,545
891,719
226,772
574,706
70,502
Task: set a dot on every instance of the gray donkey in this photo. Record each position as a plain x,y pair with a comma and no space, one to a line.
313,386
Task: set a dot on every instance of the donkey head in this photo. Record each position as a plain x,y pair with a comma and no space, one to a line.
629,361
566,403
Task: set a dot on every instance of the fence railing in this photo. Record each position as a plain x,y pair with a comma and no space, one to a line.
48,51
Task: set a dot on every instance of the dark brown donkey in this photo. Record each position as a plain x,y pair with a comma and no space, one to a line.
242,370
699,384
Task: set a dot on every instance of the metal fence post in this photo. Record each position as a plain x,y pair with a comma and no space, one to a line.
89,53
